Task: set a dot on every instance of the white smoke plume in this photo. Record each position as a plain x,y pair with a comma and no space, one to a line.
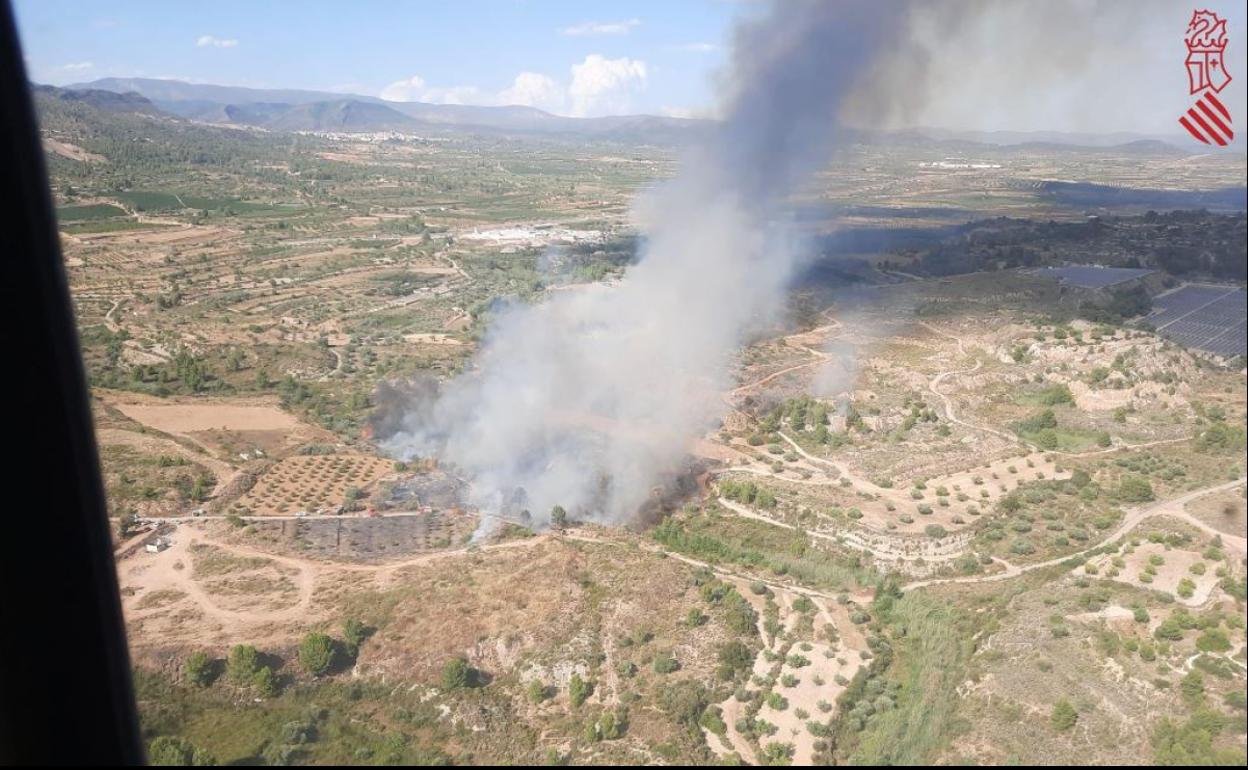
588,398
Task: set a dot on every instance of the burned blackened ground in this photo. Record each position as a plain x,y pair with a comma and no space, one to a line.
369,539
432,489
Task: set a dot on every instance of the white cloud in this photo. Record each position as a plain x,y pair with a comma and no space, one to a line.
698,47
208,41
409,90
533,89
597,86
415,89
57,74
602,86
591,28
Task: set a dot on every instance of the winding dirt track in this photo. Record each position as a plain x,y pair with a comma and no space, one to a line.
109,322
1171,507
852,539
948,402
952,417
155,443
934,387
170,570
818,357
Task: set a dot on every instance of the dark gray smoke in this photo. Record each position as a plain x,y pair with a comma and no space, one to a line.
587,399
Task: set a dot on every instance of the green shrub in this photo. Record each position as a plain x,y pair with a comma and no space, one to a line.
1135,489
1064,715
713,720
775,753
354,632
242,663
1191,744
1193,688
664,663
537,691
265,682
199,669
735,655
578,690
1056,394
316,653
172,751
1213,640
1022,547
1186,588
457,674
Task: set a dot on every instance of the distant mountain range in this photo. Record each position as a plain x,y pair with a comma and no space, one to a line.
101,99
302,110
298,110
1042,139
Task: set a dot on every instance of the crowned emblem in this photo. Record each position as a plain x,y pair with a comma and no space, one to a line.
1206,44
1208,120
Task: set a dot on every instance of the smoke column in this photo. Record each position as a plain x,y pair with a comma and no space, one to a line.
587,399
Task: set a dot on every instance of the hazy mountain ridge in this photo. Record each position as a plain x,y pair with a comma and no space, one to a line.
102,99
339,115
290,110
299,110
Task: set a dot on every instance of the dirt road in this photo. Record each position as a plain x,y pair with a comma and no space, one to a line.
952,416
929,550
172,571
1171,507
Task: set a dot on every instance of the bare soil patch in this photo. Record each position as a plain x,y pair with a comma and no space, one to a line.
1141,568
71,151
191,418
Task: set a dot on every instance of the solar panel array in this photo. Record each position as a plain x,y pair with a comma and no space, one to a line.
1093,276
1210,318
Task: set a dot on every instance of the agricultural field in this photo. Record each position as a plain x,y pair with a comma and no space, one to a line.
311,483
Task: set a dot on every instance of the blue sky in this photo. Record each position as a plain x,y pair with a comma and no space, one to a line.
651,56
1065,65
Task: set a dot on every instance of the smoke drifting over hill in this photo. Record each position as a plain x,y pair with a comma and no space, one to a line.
586,399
